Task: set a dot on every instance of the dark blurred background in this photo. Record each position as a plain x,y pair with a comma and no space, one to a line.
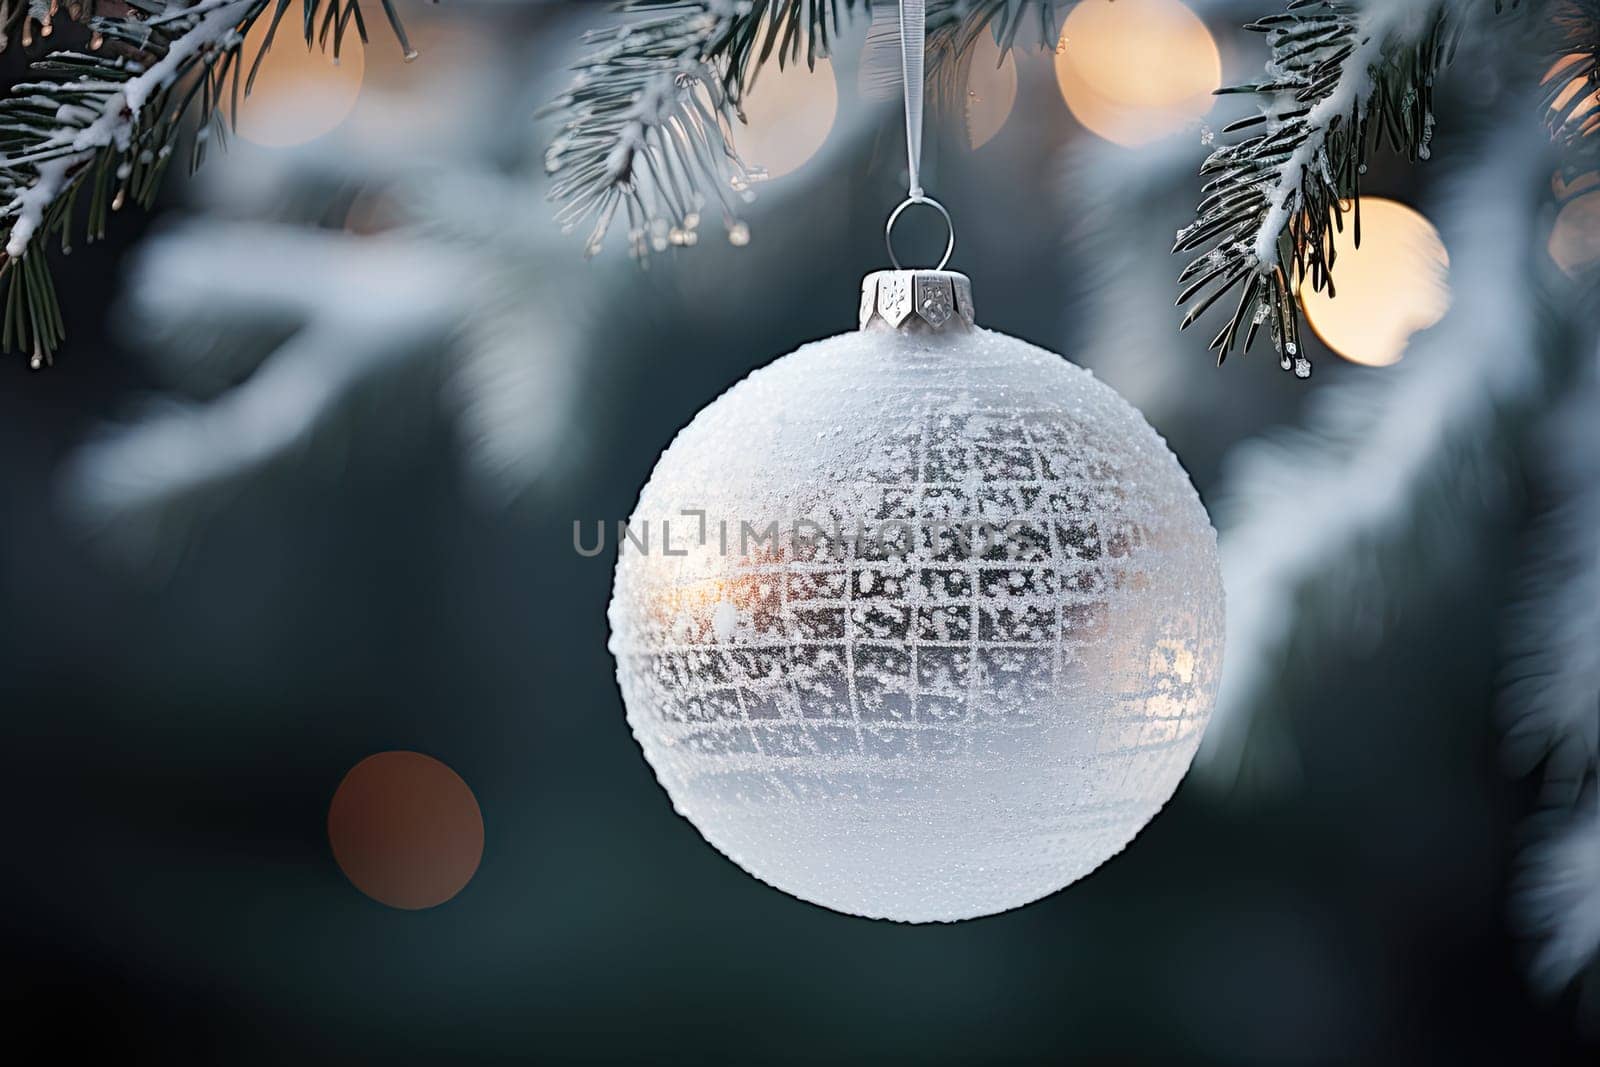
182,705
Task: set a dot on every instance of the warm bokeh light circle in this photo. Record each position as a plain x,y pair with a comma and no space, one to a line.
788,116
406,830
1395,284
991,90
1135,71
1575,239
299,93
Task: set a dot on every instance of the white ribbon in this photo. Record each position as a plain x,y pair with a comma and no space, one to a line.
913,59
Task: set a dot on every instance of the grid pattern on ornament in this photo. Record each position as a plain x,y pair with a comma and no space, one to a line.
898,649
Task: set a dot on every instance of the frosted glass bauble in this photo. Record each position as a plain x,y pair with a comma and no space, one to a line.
885,708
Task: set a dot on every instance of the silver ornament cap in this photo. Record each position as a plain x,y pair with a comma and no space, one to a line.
916,301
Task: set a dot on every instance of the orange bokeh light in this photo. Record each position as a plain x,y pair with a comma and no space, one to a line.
406,830
788,116
1135,71
299,93
1385,291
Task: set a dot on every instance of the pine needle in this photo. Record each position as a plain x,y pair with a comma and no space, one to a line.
108,120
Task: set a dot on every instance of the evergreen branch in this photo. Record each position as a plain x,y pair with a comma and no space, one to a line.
108,124
1557,894
19,17
344,314
1551,696
647,127
1341,79
434,316
1357,509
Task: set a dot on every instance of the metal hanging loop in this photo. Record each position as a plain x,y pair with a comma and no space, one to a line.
894,216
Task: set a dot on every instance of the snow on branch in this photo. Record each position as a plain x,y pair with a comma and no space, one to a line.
1341,78
1557,895
109,121
648,127
648,124
1551,698
105,113
466,306
1328,518
353,310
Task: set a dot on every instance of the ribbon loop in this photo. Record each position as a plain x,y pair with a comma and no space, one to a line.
913,63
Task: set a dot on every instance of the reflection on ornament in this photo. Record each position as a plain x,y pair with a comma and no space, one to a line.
406,830
951,628
299,93
1395,284
991,90
1135,71
1575,239
789,114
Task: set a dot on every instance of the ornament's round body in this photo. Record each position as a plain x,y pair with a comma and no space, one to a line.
946,635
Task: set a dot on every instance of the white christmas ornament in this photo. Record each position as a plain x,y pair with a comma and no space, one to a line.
929,621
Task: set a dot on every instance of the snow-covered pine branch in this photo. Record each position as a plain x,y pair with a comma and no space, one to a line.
648,126
1551,698
1557,894
1342,77
462,303
103,112
20,18
1393,465
109,122
466,303
353,311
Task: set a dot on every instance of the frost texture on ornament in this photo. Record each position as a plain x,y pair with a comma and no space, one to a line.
924,723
